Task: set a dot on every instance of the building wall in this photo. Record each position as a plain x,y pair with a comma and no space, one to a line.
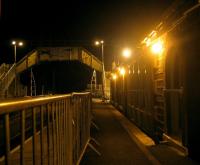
160,92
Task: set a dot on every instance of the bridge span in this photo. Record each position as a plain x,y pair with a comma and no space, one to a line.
70,68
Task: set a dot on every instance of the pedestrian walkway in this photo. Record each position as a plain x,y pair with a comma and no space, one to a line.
122,143
116,146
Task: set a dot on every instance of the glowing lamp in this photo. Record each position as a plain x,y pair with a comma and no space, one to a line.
122,71
157,47
114,76
126,53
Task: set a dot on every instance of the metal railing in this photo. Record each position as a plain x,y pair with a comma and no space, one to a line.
7,79
3,69
58,129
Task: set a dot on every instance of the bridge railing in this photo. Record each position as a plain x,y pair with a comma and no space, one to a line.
3,69
7,79
45,130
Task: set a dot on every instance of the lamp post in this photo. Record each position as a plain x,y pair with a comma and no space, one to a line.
126,53
103,68
114,77
15,44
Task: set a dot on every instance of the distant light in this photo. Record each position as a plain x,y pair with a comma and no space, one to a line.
157,48
97,42
114,76
14,42
122,71
126,53
102,41
20,43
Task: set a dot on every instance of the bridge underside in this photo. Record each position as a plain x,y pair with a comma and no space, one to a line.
58,77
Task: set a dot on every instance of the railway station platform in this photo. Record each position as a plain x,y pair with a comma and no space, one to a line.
113,139
122,143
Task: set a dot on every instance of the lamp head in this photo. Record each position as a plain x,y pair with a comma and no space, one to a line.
126,53
13,42
97,43
20,44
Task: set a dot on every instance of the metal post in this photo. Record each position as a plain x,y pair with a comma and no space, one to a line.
115,92
7,139
34,135
15,54
23,119
31,89
15,58
103,69
48,131
125,96
41,136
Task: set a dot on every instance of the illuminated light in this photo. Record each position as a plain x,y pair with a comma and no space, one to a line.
20,43
119,69
148,42
144,40
114,76
126,53
153,33
102,41
122,71
157,48
14,42
97,42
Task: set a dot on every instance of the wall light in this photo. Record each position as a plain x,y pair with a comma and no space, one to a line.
157,47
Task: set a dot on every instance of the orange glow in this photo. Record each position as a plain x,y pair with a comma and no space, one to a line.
157,47
114,76
97,42
122,71
126,53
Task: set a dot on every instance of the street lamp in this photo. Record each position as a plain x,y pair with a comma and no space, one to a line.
97,43
126,53
157,47
122,72
15,44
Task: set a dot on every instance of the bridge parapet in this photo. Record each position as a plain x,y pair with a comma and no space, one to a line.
59,54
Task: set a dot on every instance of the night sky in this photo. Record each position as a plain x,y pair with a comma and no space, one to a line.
118,22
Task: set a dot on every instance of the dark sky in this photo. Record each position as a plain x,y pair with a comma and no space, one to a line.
118,22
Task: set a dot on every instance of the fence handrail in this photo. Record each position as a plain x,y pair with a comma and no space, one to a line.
64,127
11,68
20,104
2,68
12,106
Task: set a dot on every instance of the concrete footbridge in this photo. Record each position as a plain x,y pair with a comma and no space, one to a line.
45,54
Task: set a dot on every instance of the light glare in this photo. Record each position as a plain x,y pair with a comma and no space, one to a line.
157,47
114,76
127,53
97,43
20,43
122,71
13,42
